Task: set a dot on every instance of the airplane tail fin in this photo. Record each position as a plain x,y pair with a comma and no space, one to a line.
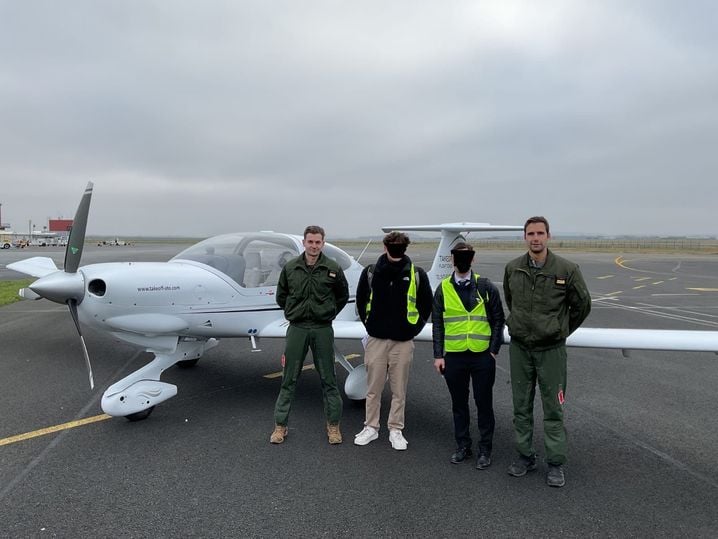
451,233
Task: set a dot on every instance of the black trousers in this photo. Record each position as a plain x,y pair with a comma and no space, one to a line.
480,368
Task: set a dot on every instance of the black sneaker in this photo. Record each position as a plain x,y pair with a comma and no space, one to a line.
483,462
461,455
519,467
555,477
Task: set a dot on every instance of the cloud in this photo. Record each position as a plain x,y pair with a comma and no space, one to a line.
200,119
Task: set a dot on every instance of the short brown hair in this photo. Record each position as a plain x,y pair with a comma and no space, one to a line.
536,219
313,229
462,246
396,238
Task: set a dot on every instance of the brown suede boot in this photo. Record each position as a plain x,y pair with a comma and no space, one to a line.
334,434
278,435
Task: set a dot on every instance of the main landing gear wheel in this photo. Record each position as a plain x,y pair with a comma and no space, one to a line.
139,416
187,363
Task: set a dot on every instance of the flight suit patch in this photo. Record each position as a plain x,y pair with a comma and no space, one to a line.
333,274
560,281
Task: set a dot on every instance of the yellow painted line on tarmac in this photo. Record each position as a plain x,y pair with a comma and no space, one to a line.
55,428
673,278
605,276
703,289
639,286
305,368
614,293
279,374
659,282
639,279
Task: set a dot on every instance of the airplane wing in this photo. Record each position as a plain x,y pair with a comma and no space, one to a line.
343,329
607,338
643,339
278,328
37,266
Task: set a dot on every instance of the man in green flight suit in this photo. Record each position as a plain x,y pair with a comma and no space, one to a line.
548,300
311,290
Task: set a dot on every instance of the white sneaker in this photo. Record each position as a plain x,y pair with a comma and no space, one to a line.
369,434
397,440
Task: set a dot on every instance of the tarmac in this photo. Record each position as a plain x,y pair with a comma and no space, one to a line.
642,432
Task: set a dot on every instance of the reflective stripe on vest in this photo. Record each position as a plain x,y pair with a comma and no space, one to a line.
412,313
464,330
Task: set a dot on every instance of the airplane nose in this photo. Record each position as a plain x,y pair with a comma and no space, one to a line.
60,287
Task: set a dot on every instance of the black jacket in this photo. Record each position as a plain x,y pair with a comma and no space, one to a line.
390,283
468,295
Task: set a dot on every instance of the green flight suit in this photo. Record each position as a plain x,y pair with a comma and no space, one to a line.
547,304
311,297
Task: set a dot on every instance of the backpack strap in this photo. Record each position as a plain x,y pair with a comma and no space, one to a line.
370,273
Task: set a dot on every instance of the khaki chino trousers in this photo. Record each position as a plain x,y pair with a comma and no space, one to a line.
386,358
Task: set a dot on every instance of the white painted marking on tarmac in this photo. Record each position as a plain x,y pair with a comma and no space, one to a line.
651,312
681,294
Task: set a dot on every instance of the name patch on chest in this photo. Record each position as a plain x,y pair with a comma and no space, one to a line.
560,281
333,274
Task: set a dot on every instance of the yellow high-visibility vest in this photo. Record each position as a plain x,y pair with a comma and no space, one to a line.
464,330
412,313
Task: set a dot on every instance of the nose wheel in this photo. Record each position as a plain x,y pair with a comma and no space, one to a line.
139,416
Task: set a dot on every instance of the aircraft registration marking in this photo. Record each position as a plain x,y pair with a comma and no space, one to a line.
54,428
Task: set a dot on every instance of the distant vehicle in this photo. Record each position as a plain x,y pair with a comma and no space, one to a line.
5,241
113,242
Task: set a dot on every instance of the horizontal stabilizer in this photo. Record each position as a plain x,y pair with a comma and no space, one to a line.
37,266
455,227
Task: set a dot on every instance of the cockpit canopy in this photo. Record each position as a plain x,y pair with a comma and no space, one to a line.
254,259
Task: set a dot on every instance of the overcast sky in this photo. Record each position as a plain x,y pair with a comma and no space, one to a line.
197,118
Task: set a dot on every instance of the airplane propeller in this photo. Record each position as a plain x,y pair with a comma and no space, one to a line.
68,286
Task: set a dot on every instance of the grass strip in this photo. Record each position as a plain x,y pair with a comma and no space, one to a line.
9,289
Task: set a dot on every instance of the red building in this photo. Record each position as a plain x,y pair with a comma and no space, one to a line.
61,226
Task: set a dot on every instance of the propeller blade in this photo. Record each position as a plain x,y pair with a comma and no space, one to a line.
72,305
76,241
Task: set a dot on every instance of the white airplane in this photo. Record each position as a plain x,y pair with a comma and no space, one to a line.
224,287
